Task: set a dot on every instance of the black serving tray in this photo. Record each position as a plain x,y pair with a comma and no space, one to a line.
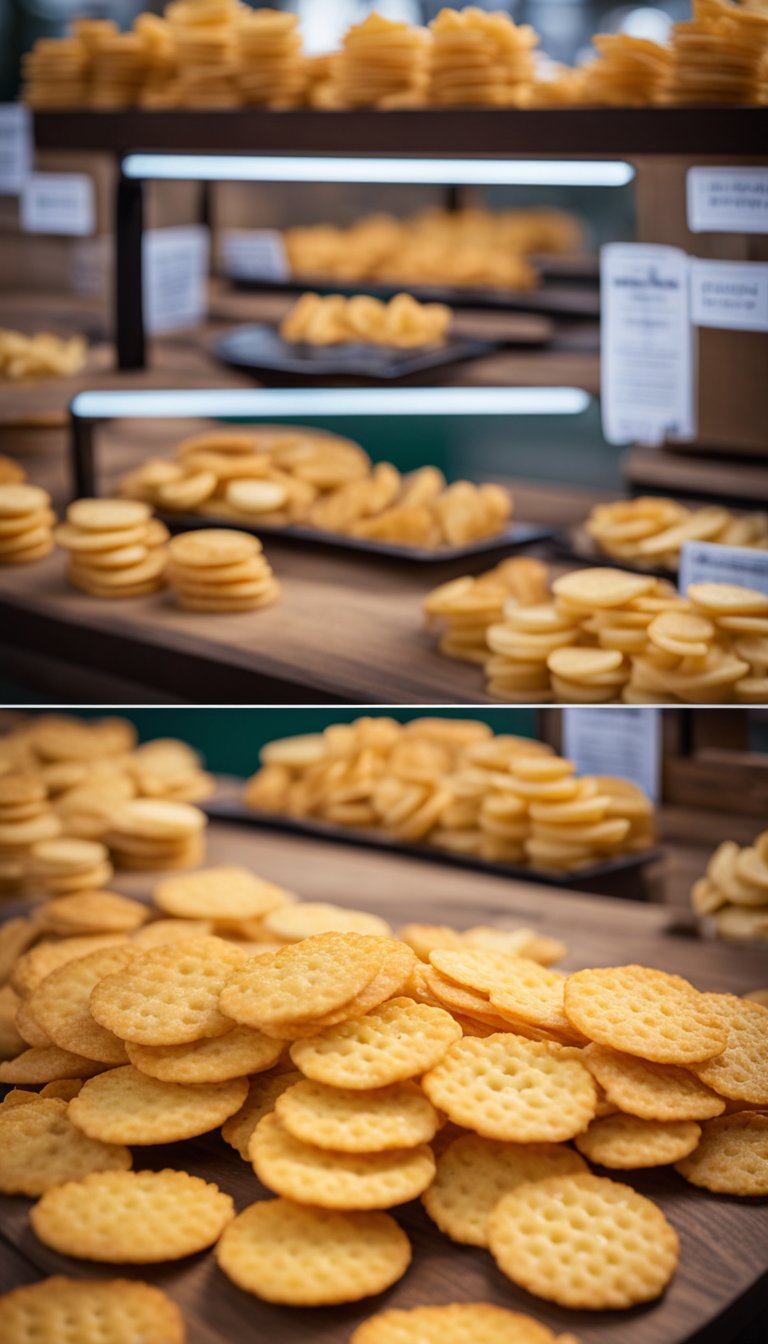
516,537
260,349
614,877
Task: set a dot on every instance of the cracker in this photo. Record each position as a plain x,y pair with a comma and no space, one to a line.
89,1311
107,515
506,1087
40,1148
398,1040
331,1180
61,1004
473,1173
16,935
651,1091
31,968
11,1041
18,1096
455,1323
127,1106
45,1064
242,1051
398,1116
160,931
645,1012
94,912
132,1217
260,1101
741,1071
732,1157
170,994
282,1252
224,894
292,923
304,981
62,1088
625,1142
519,990
583,1241
28,1026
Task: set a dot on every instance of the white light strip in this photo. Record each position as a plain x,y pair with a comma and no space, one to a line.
318,168
331,402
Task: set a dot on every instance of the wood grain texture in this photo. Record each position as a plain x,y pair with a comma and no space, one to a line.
723,1262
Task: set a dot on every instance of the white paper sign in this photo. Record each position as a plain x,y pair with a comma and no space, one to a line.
254,254
615,741
730,294
645,344
90,268
727,200
703,562
175,268
61,203
15,147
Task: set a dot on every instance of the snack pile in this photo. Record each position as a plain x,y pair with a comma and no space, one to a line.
734,890
472,246
218,569
606,636
279,475
116,548
26,518
40,356
69,794
354,1074
219,54
453,784
403,322
650,530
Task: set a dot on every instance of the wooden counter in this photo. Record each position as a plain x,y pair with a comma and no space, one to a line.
722,1270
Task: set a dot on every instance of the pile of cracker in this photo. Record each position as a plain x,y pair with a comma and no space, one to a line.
116,548
219,570
717,56
41,356
734,891
479,59
471,246
26,523
464,608
606,636
650,530
272,69
280,475
355,1074
453,784
401,322
382,63
63,785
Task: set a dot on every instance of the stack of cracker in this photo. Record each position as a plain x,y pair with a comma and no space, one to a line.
154,833
159,86
55,73
116,70
205,34
116,548
627,71
717,56
64,866
26,819
382,63
167,768
271,66
464,608
218,570
26,523
479,58
611,636
650,530
734,891
331,319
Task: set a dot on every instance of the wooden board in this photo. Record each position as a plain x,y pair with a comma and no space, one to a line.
723,1263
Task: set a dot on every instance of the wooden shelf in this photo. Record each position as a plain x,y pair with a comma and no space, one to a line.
731,131
719,1279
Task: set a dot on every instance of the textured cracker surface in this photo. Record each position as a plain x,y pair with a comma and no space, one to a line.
652,1091
40,1148
126,1106
351,1121
89,1311
398,1040
627,1142
732,1157
645,1012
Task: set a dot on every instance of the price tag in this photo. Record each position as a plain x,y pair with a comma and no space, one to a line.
175,268
703,562
60,203
729,294
15,148
727,200
646,352
254,254
615,741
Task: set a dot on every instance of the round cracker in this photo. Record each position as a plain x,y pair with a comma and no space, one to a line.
455,1323
224,894
354,1121
91,1311
651,1091
61,1003
625,1142
242,1051
741,1071
41,1148
645,1012
732,1157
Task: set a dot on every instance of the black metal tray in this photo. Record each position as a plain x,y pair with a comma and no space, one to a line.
259,349
516,537
614,877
